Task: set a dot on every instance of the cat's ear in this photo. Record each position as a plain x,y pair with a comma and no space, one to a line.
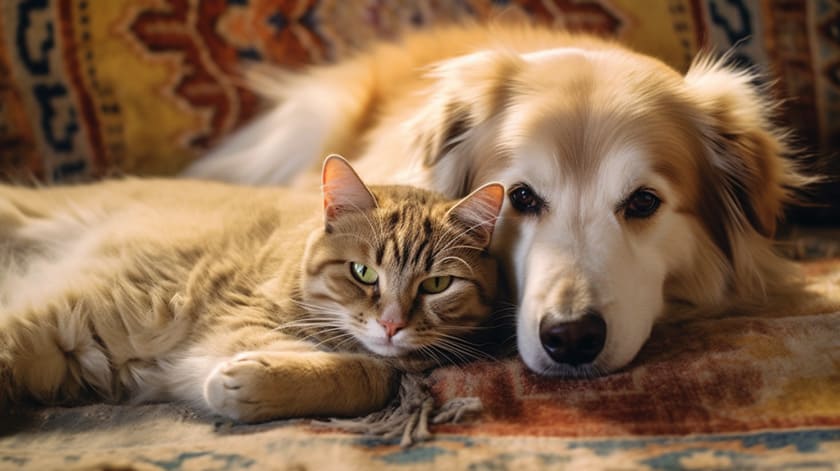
477,212
343,189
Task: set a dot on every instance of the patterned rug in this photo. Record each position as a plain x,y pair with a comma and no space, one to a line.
745,391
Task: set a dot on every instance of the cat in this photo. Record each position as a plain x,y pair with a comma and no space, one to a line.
250,303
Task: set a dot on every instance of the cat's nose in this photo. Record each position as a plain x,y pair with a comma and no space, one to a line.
391,327
574,342
392,319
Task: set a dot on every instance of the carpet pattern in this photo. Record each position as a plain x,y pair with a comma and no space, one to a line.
745,391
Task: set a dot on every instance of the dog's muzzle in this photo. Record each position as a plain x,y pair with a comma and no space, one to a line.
573,342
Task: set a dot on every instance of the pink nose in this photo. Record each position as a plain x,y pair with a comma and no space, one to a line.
391,327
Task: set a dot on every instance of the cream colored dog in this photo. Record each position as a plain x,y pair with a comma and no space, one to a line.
632,189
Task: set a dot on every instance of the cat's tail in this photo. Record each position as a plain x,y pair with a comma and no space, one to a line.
312,112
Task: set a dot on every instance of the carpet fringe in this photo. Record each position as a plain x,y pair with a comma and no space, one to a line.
407,415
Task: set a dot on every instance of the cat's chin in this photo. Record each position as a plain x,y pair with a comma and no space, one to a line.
385,348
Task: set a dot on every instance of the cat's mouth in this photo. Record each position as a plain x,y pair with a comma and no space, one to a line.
385,346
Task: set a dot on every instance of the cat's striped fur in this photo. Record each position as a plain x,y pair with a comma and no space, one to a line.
242,301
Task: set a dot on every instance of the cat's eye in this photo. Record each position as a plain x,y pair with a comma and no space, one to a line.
363,273
435,284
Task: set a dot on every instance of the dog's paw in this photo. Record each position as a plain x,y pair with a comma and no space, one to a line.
234,388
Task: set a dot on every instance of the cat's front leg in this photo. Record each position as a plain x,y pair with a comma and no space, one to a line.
265,385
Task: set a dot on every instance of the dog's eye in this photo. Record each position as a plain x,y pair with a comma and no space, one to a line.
641,204
524,200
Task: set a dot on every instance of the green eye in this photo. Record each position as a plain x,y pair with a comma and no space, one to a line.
363,273
436,284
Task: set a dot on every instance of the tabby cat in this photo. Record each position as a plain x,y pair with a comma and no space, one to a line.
251,303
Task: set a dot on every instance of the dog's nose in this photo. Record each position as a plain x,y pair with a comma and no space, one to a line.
574,342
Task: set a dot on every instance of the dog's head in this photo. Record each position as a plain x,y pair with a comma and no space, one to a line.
630,186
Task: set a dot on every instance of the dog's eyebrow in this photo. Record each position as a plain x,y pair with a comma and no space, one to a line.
457,123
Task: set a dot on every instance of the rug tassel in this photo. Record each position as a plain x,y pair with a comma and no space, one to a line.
408,431
407,415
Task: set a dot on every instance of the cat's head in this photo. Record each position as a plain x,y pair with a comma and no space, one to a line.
403,272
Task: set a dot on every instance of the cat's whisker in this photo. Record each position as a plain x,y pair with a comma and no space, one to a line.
448,241
324,312
325,317
443,334
319,308
331,329
311,323
507,311
472,352
312,337
469,247
511,310
503,320
509,338
329,317
438,357
317,315
326,336
330,333
446,345
332,303
460,236
505,303
464,347
459,359
458,259
375,231
447,357
313,317
424,351
350,339
309,328
343,337
468,329
302,303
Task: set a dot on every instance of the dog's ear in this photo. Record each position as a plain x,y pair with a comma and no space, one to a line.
466,94
747,151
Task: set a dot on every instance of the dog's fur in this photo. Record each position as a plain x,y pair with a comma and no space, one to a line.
585,123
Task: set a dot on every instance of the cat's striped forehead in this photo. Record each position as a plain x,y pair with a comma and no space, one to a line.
411,221
401,195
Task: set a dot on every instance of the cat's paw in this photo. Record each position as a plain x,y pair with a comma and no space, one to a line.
234,389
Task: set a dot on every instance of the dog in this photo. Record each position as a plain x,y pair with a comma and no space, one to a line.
634,192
